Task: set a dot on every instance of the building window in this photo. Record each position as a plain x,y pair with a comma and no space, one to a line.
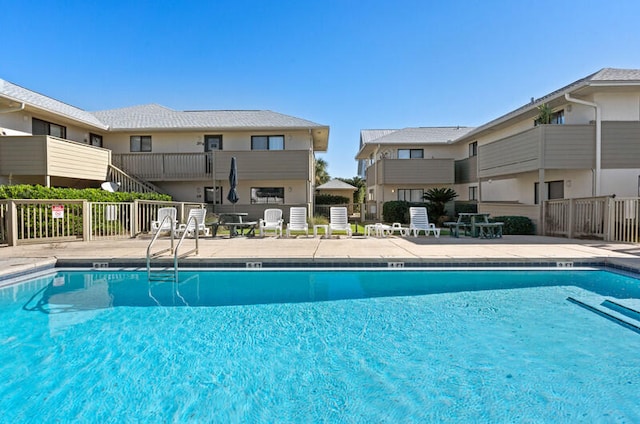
267,195
40,127
473,193
410,153
556,118
555,190
473,149
267,142
209,196
415,195
140,143
95,140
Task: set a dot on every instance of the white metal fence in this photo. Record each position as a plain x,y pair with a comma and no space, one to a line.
46,221
605,218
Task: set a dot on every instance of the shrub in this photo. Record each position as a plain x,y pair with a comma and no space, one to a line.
24,191
398,211
513,225
330,199
318,220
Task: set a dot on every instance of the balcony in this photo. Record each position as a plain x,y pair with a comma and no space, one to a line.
411,171
252,165
43,156
545,146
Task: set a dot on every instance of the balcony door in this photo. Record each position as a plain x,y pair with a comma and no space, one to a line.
211,143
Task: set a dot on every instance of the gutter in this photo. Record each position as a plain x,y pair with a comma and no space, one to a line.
13,109
596,188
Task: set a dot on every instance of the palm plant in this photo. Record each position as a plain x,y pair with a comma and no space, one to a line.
322,175
438,198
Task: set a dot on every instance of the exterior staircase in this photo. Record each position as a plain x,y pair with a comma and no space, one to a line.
130,183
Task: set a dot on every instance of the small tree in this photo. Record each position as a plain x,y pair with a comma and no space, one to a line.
438,198
544,114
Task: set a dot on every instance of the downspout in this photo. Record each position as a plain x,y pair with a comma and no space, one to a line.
596,188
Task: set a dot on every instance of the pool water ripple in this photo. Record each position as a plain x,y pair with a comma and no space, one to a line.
505,355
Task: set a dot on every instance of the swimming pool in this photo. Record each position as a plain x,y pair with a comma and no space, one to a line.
309,346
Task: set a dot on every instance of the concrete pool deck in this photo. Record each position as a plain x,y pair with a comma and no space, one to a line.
337,251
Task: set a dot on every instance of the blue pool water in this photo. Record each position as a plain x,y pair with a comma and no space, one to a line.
317,346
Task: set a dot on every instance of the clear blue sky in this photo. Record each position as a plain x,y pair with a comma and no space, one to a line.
348,64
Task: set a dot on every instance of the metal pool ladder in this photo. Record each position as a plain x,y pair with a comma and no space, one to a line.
168,274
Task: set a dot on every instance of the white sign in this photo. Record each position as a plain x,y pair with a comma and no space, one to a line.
57,211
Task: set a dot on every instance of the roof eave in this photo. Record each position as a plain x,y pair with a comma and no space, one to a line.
49,111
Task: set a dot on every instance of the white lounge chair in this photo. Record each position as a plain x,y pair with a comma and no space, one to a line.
161,225
420,222
272,221
339,220
298,220
190,227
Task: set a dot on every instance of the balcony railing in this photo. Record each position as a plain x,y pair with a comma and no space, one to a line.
411,171
260,165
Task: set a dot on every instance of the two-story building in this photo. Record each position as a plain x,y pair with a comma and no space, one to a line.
186,154
404,164
590,147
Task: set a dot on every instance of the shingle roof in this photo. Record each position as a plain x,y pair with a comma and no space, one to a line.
154,116
336,184
423,135
605,76
37,100
366,136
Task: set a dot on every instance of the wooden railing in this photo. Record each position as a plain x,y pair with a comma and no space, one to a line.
4,206
129,183
170,166
46,221
604,218
252,165
625,220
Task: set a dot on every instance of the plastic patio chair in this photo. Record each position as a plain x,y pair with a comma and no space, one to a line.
297,220
339,220
272,221
190,227
420,222
162,225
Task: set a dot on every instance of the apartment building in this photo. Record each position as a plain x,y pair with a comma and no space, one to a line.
589,146
186,154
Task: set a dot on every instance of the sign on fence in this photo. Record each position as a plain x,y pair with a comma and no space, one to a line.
57,211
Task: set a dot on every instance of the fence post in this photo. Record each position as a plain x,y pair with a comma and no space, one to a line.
12,224
571,220
134,219
609,219
86,221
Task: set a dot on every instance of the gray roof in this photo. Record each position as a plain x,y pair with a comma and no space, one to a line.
336,184
423,135
37,100
154,116
604,77
366,136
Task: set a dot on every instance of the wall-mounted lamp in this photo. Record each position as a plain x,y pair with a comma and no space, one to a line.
393,190
290,189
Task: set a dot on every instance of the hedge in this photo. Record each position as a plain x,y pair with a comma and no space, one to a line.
24,191
515,225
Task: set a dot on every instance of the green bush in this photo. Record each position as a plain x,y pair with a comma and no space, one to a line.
24,191
330,199
395,211
398,211
513,225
